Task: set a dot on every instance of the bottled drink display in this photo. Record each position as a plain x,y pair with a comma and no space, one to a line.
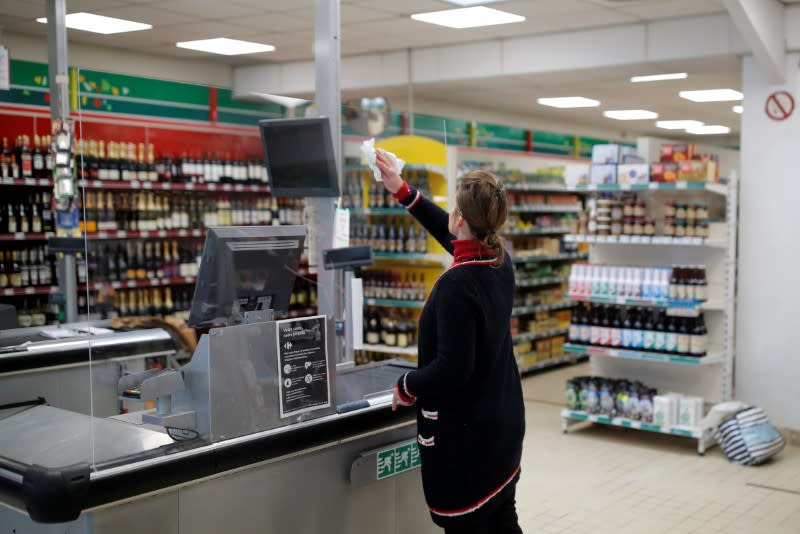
26,267
390,327
394,285
362,191
23,211
391,235
121,161
611,397
642,329
628,215
657,283
152,211
37,311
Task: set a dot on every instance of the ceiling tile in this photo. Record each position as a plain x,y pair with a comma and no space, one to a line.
527,8
273,22
147,14
351,14
23,8
91,6
210,9
274,5
406,7
674,8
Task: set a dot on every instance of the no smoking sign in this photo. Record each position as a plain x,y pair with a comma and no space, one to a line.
779,106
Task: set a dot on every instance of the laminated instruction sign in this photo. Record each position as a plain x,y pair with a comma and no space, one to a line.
399,459
302,365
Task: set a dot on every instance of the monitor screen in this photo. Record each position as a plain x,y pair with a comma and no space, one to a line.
246,269
299,157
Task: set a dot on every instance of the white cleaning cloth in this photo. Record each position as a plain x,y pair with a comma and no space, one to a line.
368,149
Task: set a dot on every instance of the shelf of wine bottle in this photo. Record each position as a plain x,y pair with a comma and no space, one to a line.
27,182
545,208
386,349
594,350
124,234
681,308
544,281
302,312
720,189
532,336
546,364
536,231
30,290
394,303
523,257
377,211
155,282
29,236
135,185
645,240
524,310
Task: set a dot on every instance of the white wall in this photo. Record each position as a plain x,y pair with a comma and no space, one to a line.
767,352
120,61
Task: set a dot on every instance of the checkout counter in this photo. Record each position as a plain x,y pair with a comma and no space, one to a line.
260,432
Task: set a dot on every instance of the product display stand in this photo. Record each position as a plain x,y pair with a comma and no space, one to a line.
709,376
541,213
704,436
377,219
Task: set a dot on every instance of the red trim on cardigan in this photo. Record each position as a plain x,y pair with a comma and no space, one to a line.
468,509
402,193
471,249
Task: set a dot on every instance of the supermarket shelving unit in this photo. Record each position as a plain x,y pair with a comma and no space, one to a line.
530,166
710,377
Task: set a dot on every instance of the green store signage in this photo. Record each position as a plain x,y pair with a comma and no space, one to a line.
148,97
397,460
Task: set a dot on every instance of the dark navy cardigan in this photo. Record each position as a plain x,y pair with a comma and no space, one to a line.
467,389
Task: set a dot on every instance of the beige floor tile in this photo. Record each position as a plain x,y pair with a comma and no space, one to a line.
596,479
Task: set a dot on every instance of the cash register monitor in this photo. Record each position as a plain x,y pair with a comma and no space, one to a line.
299,157
245,269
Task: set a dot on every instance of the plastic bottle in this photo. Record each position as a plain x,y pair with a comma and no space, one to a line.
661,333
627,331
585,333
684,339
638,333
595,326
605,328
616,330
672,336
649,331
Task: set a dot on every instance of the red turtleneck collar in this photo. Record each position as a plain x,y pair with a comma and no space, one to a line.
471,249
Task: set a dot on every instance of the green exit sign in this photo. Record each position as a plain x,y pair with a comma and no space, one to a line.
398,460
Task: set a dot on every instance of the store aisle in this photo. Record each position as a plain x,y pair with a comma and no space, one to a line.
610,480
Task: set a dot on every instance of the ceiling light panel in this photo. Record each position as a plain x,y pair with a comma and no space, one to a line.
89,22
470,3
738,109
630,114
569,102
468,17
659,77
714,129
225,46
712,95
678,124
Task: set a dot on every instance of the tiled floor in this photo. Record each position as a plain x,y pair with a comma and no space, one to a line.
609,480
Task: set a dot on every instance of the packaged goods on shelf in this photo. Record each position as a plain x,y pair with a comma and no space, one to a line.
640,329
611,397
390,236
394,285
613,154
395,328
678,152
690,411
603,174
665,409
677,283
633,173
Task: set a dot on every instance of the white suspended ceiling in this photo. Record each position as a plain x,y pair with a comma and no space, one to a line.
370,26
